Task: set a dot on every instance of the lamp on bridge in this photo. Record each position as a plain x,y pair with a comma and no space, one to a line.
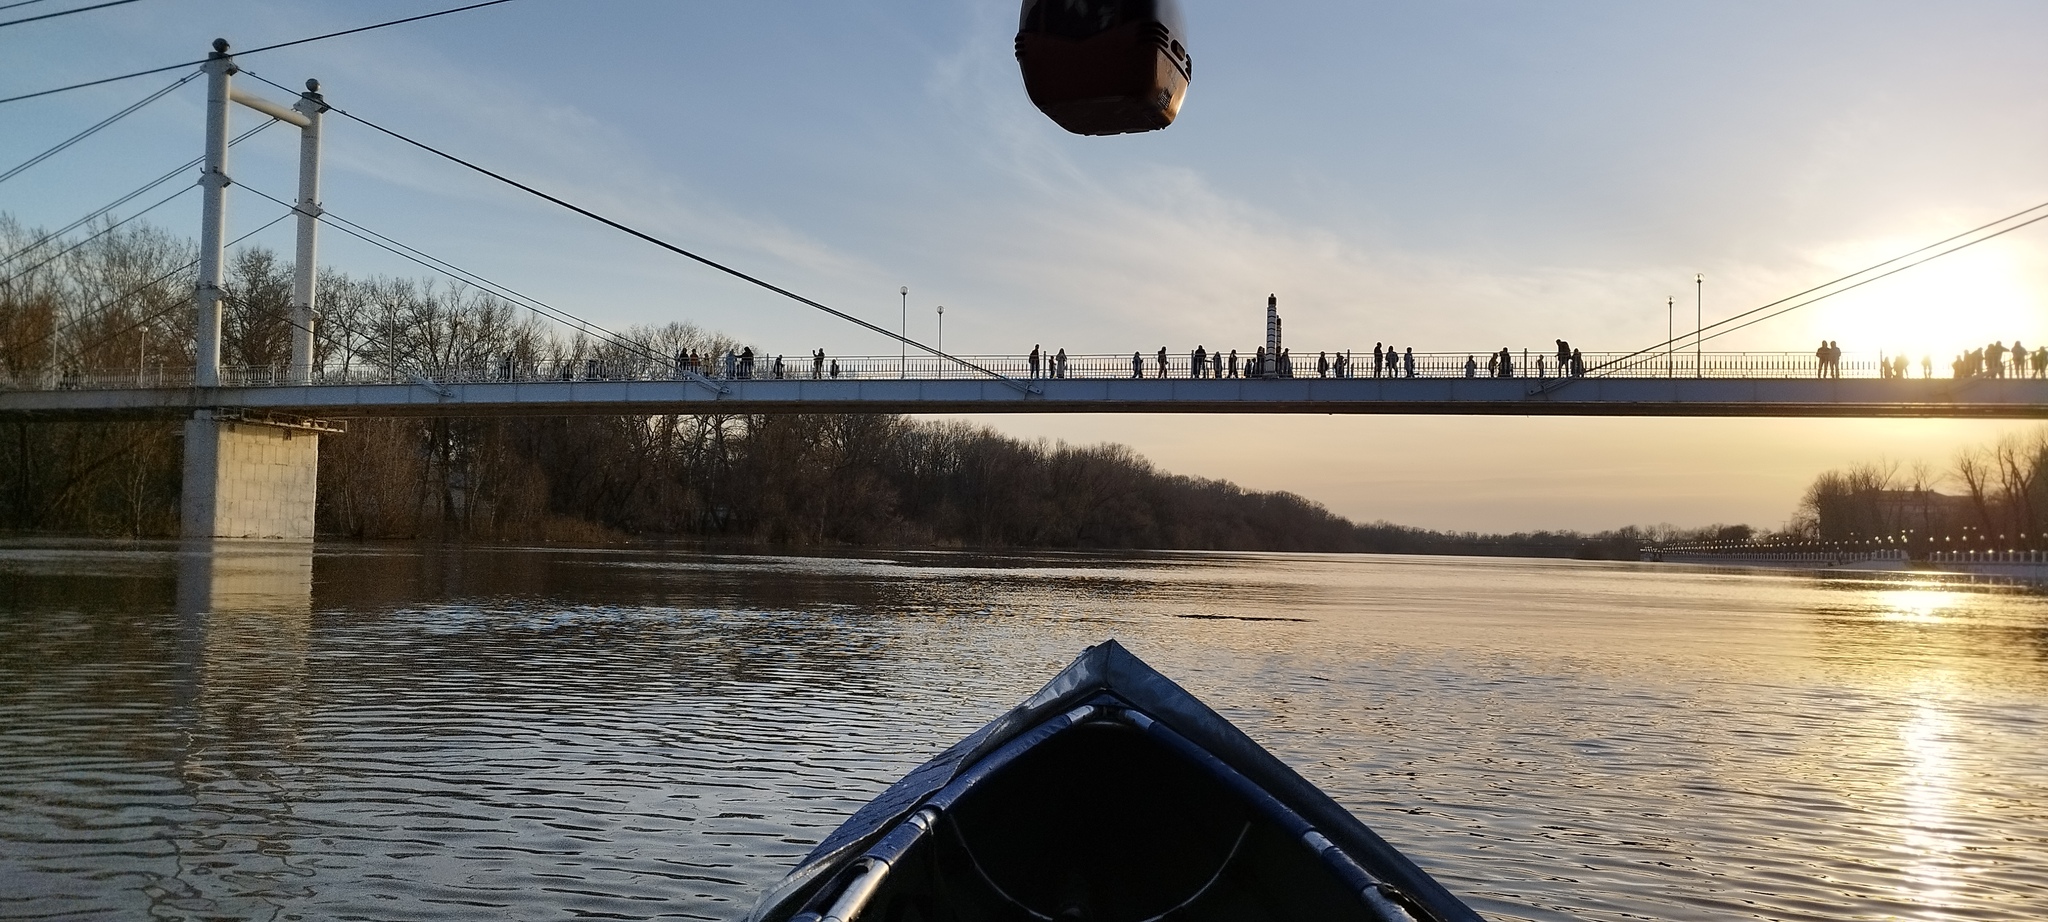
903,338
939,344
1699,282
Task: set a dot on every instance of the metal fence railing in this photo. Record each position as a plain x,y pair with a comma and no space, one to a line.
1524,365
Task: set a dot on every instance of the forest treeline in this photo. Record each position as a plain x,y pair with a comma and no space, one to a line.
117,302
1997,491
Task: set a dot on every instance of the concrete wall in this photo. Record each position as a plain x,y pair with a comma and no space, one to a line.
248,480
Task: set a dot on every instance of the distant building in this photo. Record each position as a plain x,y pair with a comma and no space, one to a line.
1867,513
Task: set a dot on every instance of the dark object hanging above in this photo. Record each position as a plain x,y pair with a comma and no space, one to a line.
1105,66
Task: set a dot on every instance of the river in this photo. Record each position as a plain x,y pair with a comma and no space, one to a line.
411,733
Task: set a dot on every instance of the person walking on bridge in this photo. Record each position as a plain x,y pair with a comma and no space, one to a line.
1162,361
1137,365
1059,363
1408,361
1034,361
1198,362
1233,363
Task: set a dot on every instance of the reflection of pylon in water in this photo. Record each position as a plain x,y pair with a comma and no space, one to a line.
1272,366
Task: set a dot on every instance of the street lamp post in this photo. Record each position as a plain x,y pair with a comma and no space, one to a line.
1669,335
903,336
1699,282
940,342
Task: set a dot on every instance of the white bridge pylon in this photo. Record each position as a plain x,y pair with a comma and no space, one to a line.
214,181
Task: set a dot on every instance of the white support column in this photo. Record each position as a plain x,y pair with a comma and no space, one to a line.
213,183
304,292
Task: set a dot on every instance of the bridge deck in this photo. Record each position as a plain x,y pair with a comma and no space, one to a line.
1611,396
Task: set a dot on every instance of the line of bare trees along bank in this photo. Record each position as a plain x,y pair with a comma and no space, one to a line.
1991,496
116,301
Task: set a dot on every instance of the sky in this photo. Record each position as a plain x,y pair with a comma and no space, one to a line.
1455,176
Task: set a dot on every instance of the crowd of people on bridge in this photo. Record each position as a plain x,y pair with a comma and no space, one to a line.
1998,360
1995,360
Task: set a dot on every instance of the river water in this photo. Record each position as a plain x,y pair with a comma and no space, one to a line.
418,734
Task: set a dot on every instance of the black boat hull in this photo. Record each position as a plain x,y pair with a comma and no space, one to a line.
1112,794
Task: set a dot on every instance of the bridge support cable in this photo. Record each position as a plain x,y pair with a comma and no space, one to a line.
465,276
256,50
82,9
95,129
110,228
123,200
1021,386
110,303
1823,291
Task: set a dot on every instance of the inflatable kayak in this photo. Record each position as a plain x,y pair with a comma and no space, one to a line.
1111,795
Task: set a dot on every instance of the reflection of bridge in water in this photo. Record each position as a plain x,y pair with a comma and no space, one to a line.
1714,384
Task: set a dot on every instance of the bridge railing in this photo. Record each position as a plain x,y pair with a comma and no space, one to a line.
1352,364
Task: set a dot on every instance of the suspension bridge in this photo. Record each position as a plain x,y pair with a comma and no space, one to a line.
252,433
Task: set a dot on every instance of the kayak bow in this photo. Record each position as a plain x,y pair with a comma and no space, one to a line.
1111,795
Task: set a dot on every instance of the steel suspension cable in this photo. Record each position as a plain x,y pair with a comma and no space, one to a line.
109,120
257,50
125,199
105,305
657,241
1649,353
102,232
1875,278
82,9
460,274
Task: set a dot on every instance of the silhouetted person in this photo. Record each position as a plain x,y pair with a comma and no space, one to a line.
1233,363
1137,365
1493,365
1820,360
835,368
1322,364
1578,364
1408,360
1060,363
1162,361
1376,359
1198,362
1471,367
1034,361
1564,357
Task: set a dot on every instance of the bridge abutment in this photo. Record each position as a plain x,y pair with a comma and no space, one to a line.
249,477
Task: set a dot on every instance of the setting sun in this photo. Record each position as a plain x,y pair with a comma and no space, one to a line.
1938,309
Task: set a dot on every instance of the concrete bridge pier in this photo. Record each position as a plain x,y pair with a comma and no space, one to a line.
250,476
